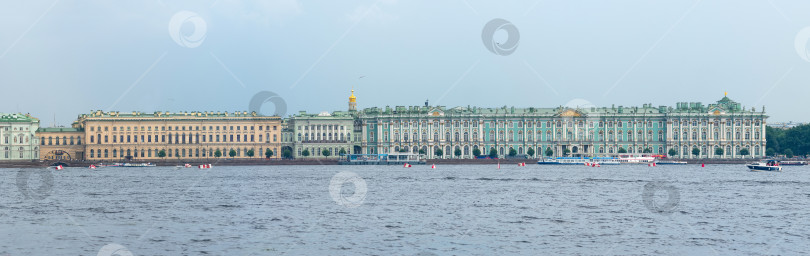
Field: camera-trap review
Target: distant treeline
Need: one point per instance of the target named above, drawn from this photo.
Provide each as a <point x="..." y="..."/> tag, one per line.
<point x="789" y="142"/>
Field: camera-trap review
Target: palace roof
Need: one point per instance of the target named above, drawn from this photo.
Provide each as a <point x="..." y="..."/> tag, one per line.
<point x="18" y="117"/>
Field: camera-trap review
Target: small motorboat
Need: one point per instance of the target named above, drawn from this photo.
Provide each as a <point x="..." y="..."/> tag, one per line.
<point x="770" y="165"/>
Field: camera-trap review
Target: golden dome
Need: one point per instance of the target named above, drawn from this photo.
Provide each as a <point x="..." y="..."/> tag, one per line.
<point x="352" y="98"/>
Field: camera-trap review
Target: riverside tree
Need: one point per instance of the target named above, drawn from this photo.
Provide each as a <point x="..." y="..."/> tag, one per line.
<point x="672" y="152"/>
<point x="744" y="152"/>
<point x="530" y="152"/>
<point x="268" y="153"/>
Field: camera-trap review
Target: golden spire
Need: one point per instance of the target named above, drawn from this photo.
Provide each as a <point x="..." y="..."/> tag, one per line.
<point x="726" y="94"/>
<point x="352" y="98"/>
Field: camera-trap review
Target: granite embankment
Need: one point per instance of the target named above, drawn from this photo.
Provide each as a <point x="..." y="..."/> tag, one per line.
<point x="331" y="161"/>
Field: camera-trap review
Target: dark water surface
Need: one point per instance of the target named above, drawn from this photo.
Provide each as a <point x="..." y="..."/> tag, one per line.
<point x="390" y="210"/>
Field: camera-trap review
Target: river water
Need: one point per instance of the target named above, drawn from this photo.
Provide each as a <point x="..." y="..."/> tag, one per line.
<point x="391" y="210"/>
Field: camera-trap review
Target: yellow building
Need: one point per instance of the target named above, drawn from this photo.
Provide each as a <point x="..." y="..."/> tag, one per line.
<point x="61" y="143"/>
<point x="114" y="136"/>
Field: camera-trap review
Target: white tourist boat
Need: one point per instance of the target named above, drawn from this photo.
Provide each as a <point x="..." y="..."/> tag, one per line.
<point x="579" y="161"/>
<point x="131" y="165"/>
<point x="636" y="158"/>
<point x="770" y="165"/>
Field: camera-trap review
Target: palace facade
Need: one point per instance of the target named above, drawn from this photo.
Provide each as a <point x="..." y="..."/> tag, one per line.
<point x="592" y="131"/>
<point x="314" y="134"/>
<point x="724" y="129"/>
<point x="114" y="136"/>
<point x="18" y="140"/>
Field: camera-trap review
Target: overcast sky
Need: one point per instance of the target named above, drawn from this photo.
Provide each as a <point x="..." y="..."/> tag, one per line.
<point x="63" y="58"/>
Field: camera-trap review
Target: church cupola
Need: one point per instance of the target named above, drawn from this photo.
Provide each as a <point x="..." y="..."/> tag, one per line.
<point x="352" y="102"/>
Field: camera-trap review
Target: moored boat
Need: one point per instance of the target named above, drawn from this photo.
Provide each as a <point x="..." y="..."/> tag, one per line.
<point x="770" y="165"/>
<point x="132" y="165"/>
<point x="636" y="158"/>
<point x="668" y="162"/>
<point x="793" y="162"/>
<point x="579" y="161"/>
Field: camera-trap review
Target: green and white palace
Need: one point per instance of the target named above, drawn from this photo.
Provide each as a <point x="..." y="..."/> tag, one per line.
<point x="18" y="139"/>
<point x="724" y="129"/>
